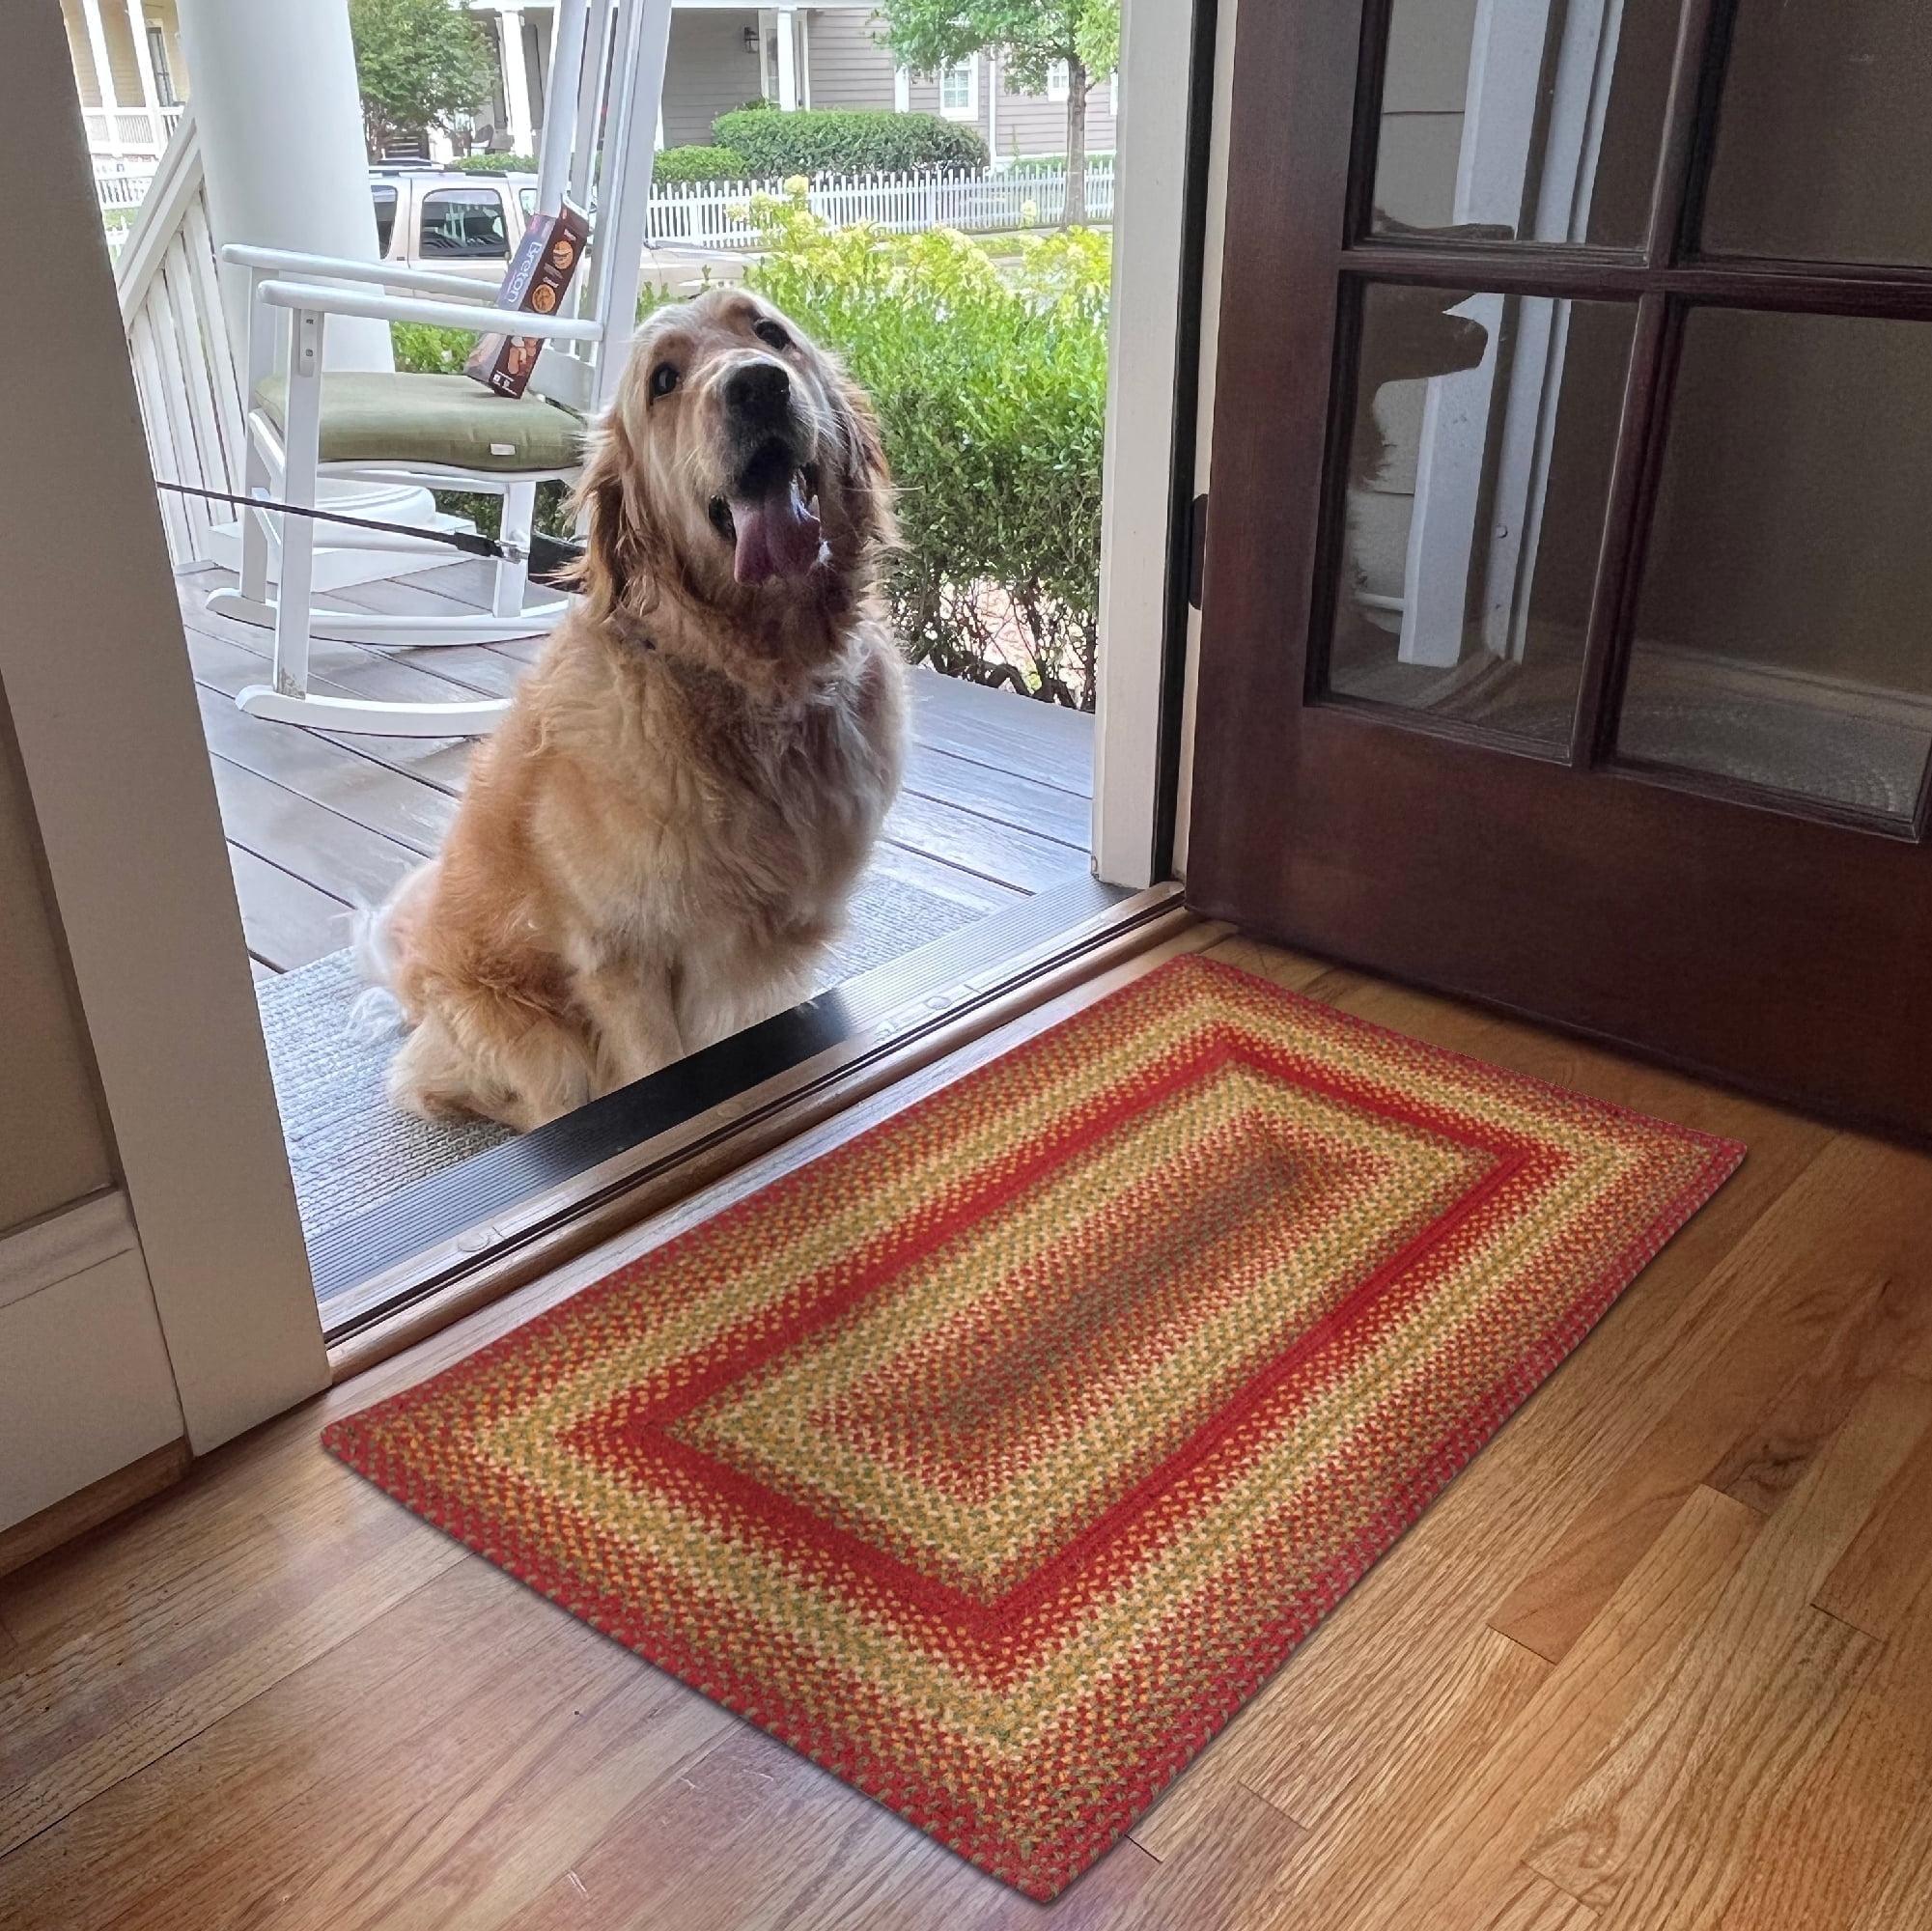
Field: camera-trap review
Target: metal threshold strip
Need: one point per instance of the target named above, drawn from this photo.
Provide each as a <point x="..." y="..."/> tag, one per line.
<point x="475" y="1231"/>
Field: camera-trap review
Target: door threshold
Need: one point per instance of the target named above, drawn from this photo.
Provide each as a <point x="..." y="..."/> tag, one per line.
<point x="584" y="1179"/>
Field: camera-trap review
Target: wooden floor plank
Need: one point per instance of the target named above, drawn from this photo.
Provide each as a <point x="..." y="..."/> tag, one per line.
<point x="1814" y="1311"/>
<point x="511" y="1744"/>
<point x="1006" y="853"/>
<point x="1005" y="796"/>
<point x="1896" y="1902"/>
<point x="285" y="922"/>
<point x="1831" y="1841"/>
<point x="1466" y="1858"/>
<point x="945" y="881"/>
<point x="373" y="795"/>
<point x="1662" y="1822"/>
<point x="1886" y="1573"/>
<point x="441" y="763"/>
<point x="300" y="836"/>
<point x="1045" y="742"/>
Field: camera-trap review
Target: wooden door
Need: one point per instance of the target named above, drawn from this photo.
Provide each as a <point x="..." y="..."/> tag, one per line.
<point x="1568" y="627"/>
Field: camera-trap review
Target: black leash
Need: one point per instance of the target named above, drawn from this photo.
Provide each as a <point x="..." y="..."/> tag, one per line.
<point x="545" y="554"/>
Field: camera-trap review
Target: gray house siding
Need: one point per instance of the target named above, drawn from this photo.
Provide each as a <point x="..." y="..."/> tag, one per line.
<point x="1022" y="123"/>
<point x="1029" y="124"/>
<point x="709" y="70"/>
<point x="849" y="68"/>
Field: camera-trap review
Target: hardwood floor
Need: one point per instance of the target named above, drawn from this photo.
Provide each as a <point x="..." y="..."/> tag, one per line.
<point x="1660" y="1656"/>
<point x="996" y="805"/>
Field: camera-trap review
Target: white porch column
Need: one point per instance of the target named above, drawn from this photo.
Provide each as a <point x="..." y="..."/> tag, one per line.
<point x="993" y="106"/>
<point x="788" y="61"/>
<point x="144" y="66"/>
<point x="515" y="79"/>
<point x="280" y="123"/>
<point x="281" y="136"/>
<point x="103" y="75"/>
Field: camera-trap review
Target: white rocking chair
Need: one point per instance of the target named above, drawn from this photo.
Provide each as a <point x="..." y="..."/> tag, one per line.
<point x="446" y="431"/>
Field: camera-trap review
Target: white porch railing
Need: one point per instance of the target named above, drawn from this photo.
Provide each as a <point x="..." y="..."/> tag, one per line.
<point x="184" y="375"/>
<point x="131" y="129"/>
<point x="711" y="215"/>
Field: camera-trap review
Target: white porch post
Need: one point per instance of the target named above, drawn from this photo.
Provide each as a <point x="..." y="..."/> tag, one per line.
<point x="788" y="61"/>
<point x="144" y="65"/>
<point x="104" y="73"/>
<point x="281" y="137"/>
<point x="515" y="79"/>
<point x="280" y="123"/>
<point x="993" y="106"/>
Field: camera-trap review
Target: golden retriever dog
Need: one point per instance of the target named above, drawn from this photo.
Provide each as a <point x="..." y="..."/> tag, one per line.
<point x="658" y="841"/>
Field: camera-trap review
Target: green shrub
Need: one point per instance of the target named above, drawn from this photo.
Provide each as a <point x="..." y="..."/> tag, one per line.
<point x="495" y="165"/>
<point x="824" y="141"/>
<point x="1050" y="165"/>
<point x="699" y="164"/>
<point x="991" y="388"/>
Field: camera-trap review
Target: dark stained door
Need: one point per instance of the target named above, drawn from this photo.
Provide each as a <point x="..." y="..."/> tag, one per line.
<point x="1568" y="602"/>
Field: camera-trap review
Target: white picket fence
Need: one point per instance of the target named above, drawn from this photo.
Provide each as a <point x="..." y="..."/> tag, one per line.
<point x="711" y="215"/>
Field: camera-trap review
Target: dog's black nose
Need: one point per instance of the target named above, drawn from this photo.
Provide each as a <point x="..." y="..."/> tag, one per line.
<point x="757" y="388"/>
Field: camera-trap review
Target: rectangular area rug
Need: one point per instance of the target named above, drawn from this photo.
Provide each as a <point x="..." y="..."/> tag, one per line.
<point x="995" y="1458"/>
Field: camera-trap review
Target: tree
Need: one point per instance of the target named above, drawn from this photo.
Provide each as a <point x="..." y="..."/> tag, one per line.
<point x="419" y="63"/>
<point x="1032" y="37"/>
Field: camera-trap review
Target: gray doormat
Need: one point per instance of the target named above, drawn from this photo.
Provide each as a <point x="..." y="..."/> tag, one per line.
<point x="349" y="1148"/>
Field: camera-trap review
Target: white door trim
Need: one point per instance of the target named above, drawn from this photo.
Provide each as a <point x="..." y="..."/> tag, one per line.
<point x="86" y="1386"/>
<point x="1156" y="52"/>
<point x="1204" y="422"/>
<point x="103" y="706"/>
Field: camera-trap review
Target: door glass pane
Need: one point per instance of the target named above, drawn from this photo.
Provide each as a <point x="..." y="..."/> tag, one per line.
<point x="1783" y="630"/>
<point x="1527" y="119"/>
<point x="1822" y="148"/>
<point x="1479" y="457"/>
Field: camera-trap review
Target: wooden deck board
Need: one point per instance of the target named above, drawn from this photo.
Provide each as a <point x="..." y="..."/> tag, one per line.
<point x="996" y="805"/>
<point x="272" y="1694"/>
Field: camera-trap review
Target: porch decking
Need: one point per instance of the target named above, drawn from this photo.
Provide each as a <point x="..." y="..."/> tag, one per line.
<point x="996" y="805"/>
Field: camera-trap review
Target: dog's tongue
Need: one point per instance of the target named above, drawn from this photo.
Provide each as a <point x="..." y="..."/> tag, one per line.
<point x="777" y="533"/>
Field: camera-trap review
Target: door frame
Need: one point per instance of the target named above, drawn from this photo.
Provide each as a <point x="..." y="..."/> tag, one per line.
<point x="1167" y="55"/>
<point x="1697" y="920"/>
<point x="104" y="714"/>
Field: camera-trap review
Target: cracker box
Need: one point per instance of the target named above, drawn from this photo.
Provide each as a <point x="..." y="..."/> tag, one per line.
<point x="546" y="260"/>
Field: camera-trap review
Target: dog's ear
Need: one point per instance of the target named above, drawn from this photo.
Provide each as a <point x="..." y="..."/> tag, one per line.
<point x="611" y="554"/>
<point x="864" y="473"/>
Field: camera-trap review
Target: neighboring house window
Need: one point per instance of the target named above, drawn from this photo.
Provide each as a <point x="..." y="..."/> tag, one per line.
<point x="385" y="198"/>
<point x="1059" y="80"/>
<point x="157" y="59"/>
<point x="958" y="90"/>
<point x="465" y="222"/>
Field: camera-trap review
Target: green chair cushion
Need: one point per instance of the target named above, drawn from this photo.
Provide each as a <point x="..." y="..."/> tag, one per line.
<point x="407" y="417"/>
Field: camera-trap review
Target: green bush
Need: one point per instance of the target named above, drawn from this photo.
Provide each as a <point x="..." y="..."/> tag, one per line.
<point x="991" y="387"/>
<point x="1050" y="165"/>
<point x="824" y="141"/>
<point x="699" y="164"/>
<point x="495" y="165"/>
